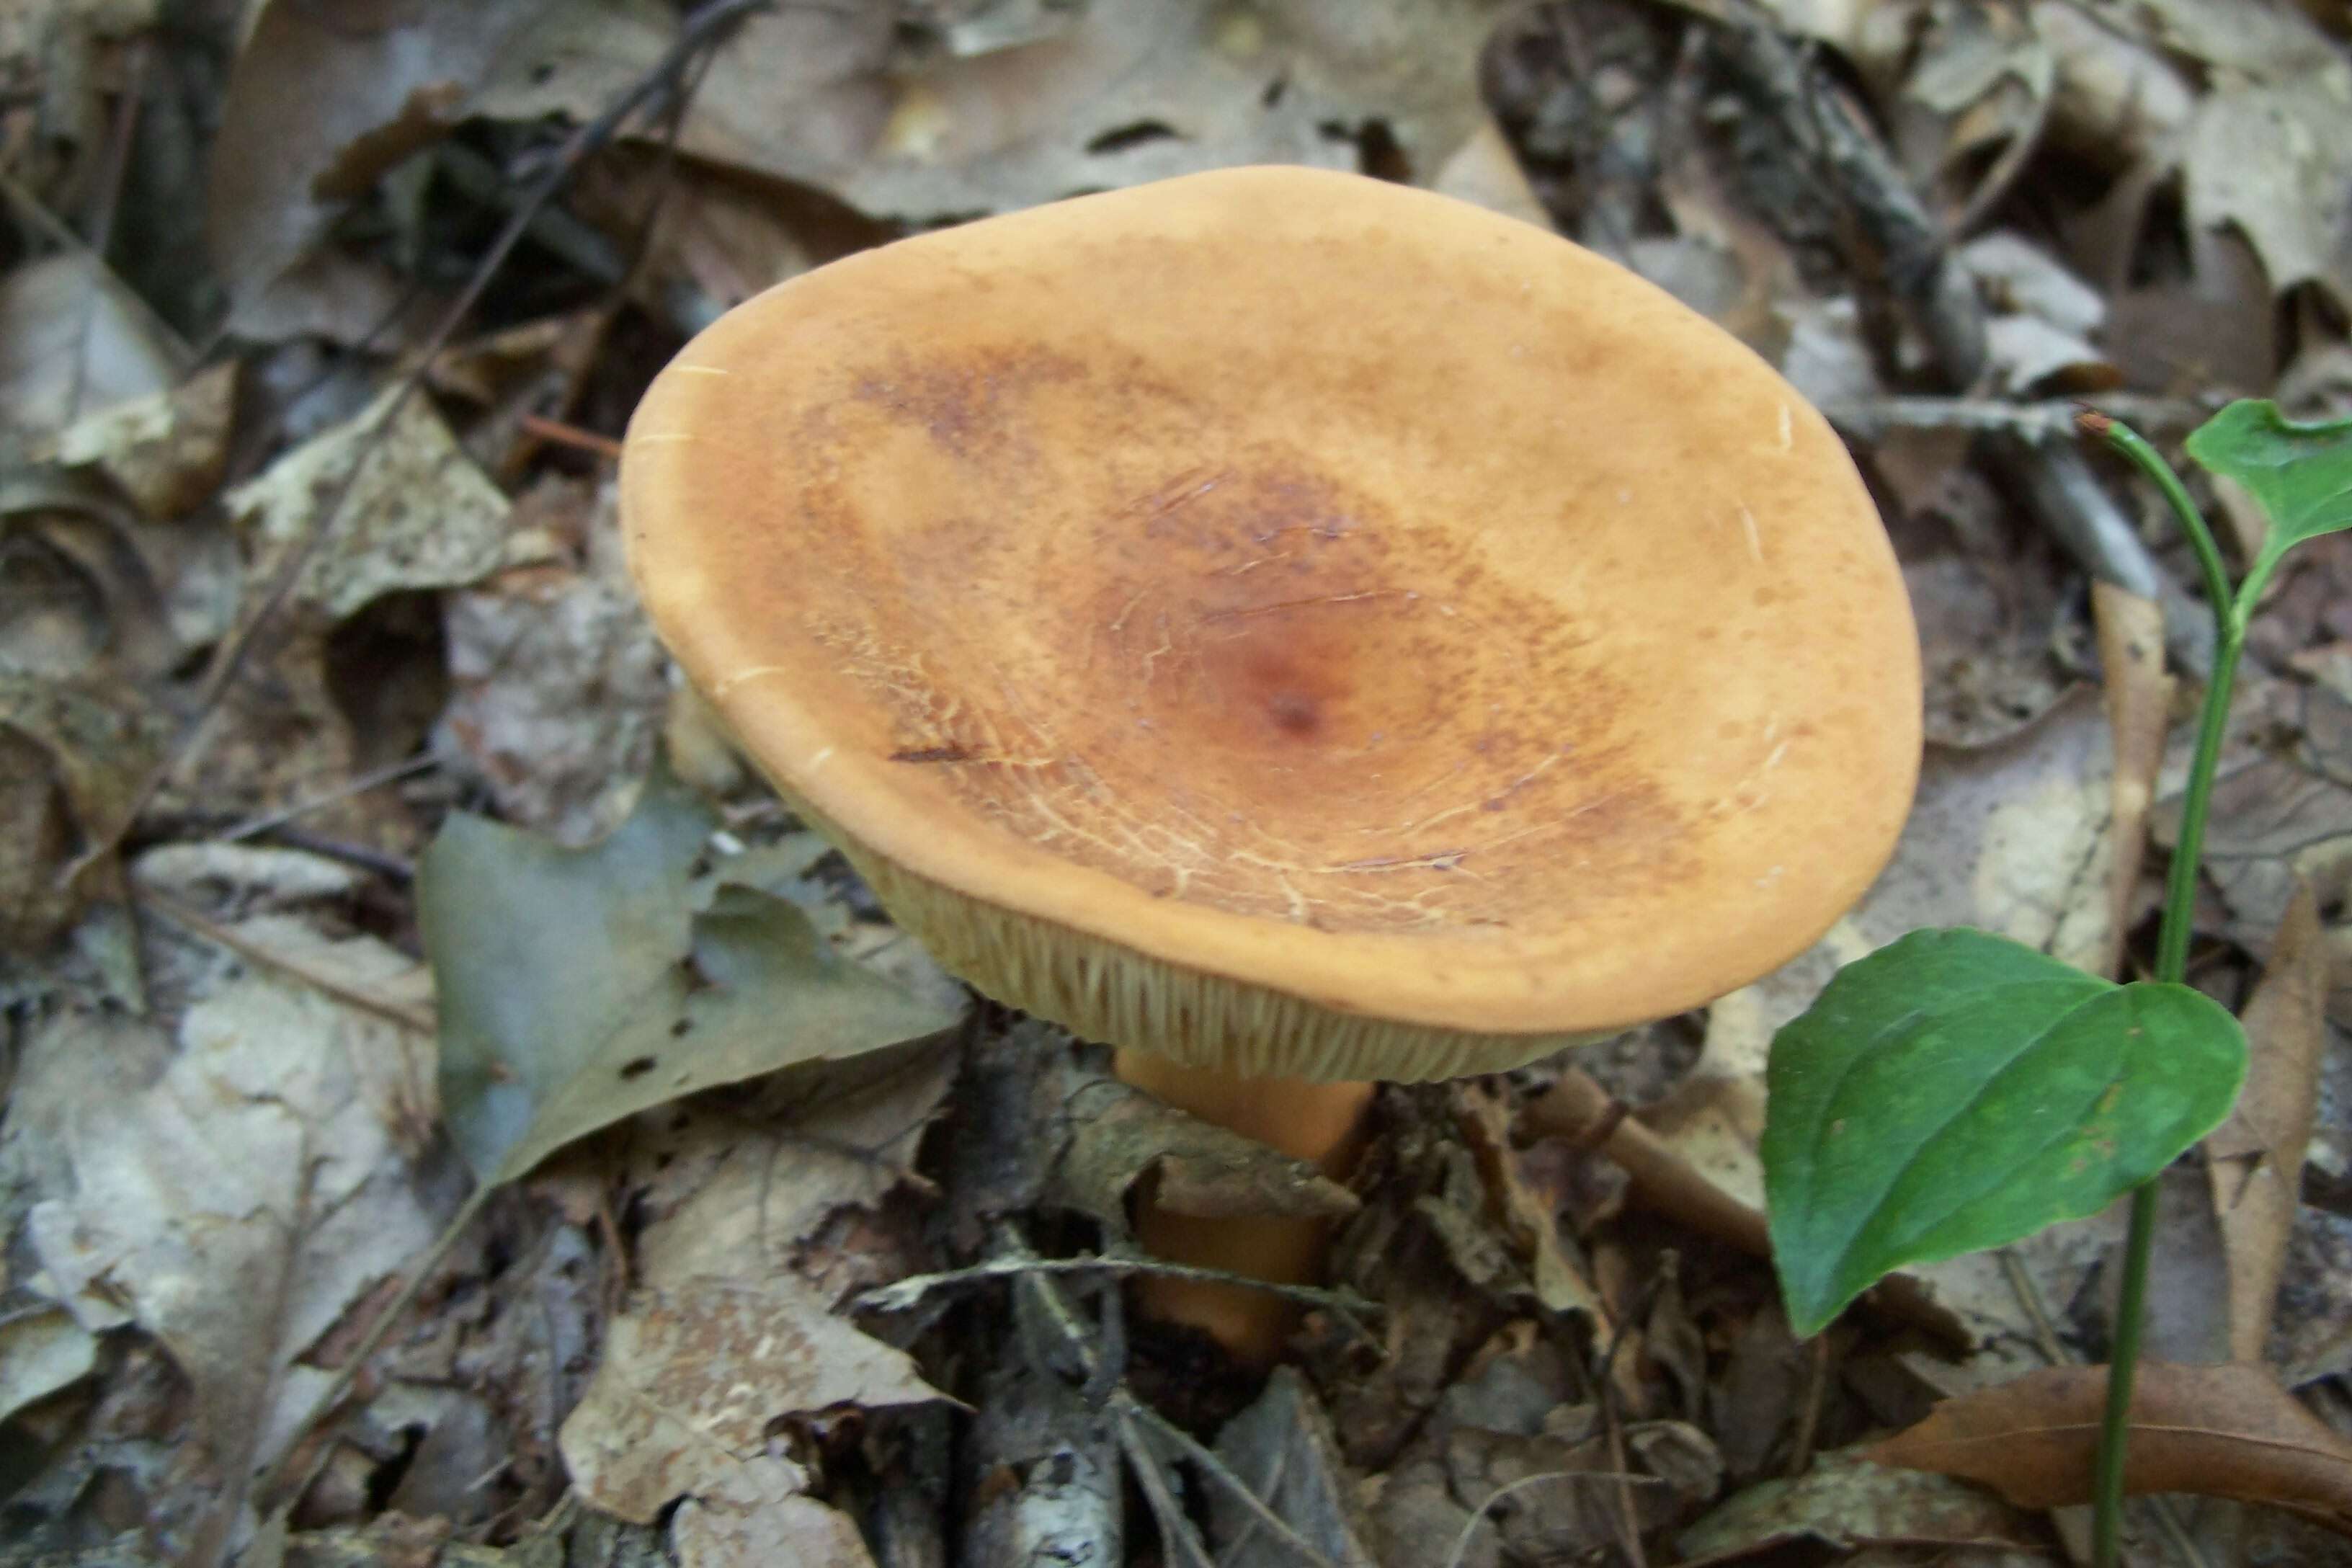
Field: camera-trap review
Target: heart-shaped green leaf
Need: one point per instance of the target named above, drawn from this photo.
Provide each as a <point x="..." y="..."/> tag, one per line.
<point x="1956" y="1091"/>
<point x="579" y="986"/>
<point x="2301" y="473"/>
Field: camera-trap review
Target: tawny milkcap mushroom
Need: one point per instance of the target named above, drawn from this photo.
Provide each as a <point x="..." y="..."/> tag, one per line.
<point x="1295" y="627"/>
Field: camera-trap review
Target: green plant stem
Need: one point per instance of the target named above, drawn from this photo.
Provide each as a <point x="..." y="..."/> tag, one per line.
<point x="2230" y="613"/>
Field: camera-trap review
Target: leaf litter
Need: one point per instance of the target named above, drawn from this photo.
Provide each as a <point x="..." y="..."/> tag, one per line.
<point x="1527" y="1354"/>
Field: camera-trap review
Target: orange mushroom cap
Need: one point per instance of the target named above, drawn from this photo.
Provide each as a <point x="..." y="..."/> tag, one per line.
<point x="1298" y="624"/>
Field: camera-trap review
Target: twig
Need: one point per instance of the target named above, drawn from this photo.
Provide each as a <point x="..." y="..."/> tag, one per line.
<point x="2044" y="419"/>
<point x="254" y="825"/>
<point x="903" y="1295"/>
<point x="408" y="1017"/>
<point x="562" y="435"/>
<point x="1218" y="1471"/>
<point x="704" y="28"/>
<point x="1177" y="1536"/>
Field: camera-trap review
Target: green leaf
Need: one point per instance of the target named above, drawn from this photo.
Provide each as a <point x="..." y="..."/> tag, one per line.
<point x="2301" y="473"/>
<point x="1956" y="1091"/>
<point x="577" y="987"/>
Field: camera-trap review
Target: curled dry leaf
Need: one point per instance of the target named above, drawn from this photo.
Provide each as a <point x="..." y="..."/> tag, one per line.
<point x="1121" y="1135"/>
<point x="418" y="514"/>
<point x="2228" y="1431"/>
<point x="2255" y="1160"/>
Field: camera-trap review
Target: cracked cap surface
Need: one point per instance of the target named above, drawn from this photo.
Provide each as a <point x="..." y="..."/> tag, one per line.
<point x="1277" y="600"/>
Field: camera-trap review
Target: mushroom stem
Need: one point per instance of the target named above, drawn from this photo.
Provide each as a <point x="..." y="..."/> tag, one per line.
<point x="1321" y="1123"/>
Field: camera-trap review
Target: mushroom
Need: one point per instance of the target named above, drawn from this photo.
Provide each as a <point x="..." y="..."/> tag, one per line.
<point x="1299" y="629"/>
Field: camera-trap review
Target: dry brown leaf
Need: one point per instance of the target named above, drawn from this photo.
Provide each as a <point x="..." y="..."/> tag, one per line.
<point x="692" y="1377"/>
<point x="2255" y="1160"/>
<point x="1529" y="1220"/>
<point x="326" y="96"/>
<point x="2218" y="1431"/>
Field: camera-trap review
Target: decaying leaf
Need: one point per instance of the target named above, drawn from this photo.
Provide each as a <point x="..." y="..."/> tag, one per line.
<point x="323" y="100"/>
<point x="1121" y="1135"/>
<point x="42" y="1350"/>
<point x="1124" y="91"/>
<point x="1846" y="1501"/>
<point x="166" y="450"/>
<point x="419" y="514"/>
<point x="1525" y="1216"/>
<point x="580" y="986"/>
<point x="2226" y="1431"/>
<point x="2255" y="1160"/>
<point x="74" y="340"/>
<point x="71" y="760"/>
<point x="557" y="684"/>
<point x="2272" y="159"/>
<point x="1284" y="1449"/>
<point x="692" y="1377"/>
<point x="246" y="1200"/>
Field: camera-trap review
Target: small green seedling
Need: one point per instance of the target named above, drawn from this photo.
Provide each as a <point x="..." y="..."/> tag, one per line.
<point x="1956" y="1091"/>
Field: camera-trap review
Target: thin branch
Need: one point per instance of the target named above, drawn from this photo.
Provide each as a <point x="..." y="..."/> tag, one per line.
<point x="418" y="1019"/>
<point x="1344" y="1305"/>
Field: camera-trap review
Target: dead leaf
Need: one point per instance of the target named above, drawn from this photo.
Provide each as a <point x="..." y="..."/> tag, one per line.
<point x="801" y="1530"/>
<point x="1284" y="1448"/>
<point x="419" y="514"/>
<point x="2217" y="1431"/>
<point x="2116" y="100"/>
<point x="763" y="1189"/>
<point x="2272" y="159"/>
<point x="1846" y="1501"/>
<point x="558" y="687"/>
<point x="1122" y="1135"/>
<point x="72" y="757"/>
<point x="578" y="987"/>
<point x="324" y="99"/>
<point x="1530" y="1222"/>
<point x="166" y="450"/>
<point x="42" y="1350"/>
<point x="246" y="1200"/>
<point x="1128" y="90"/>
<point x="692" y="1377"/>
<point x="2279" y="821"/>
<point x="2255" y="1160"/>
<point x="74" y="338"/>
